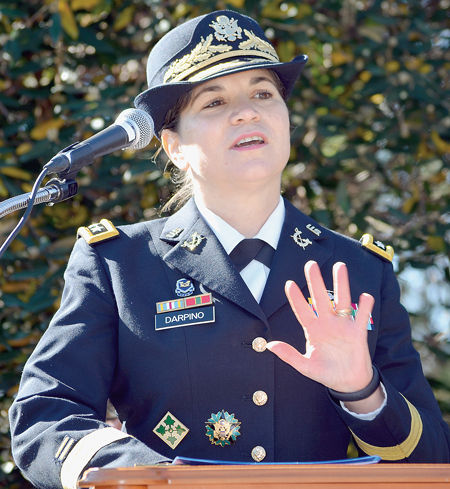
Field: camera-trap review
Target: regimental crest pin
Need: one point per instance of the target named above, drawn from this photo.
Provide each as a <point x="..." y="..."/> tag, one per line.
<point x="193" y="242"/>
<point x="226" y="29"/>
<point x="184" y="287"/>
<point x="171" y="430"/>
<point x="222" y="428"/>
<point x="302" y="242"/>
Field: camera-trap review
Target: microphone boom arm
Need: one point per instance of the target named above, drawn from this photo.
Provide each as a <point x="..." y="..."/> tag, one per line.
<point x="133" y="128"/>
<point x="54" y="191"/>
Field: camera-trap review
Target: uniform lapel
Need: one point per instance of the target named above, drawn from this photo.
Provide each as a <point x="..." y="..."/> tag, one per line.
<point x="207" y="262"/>
<point x="301" y="240"/>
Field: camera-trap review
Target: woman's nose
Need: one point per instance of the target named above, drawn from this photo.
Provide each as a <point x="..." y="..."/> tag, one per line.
<point x="244" y="111"/>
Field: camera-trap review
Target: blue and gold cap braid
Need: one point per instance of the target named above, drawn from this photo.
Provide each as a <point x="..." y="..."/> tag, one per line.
<point x="206" y="47"/>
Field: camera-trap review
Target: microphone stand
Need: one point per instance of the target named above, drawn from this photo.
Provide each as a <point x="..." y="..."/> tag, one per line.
<point x="63" y="187"/>
<point x="54" y="191"/>
<point x="132" y="126"/>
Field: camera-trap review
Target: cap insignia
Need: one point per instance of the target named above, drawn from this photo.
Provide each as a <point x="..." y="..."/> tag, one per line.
<point x="205" y="53"/>
<point x="99" y="231"/>
<point x="377" y="247"/>
<point x="222" y="428"/>
<point x="255" y="42"/>
<point x="171" y="430"/>
<point x="226" y="29"/>
<point x="190" y="62"/>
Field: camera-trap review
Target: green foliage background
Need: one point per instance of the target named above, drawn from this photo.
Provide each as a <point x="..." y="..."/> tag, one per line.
<point x="370" y="143"/>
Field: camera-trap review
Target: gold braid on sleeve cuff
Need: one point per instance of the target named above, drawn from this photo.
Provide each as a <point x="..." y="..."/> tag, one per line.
<point x="83" y="451"/>
<point x="404" y="449"/>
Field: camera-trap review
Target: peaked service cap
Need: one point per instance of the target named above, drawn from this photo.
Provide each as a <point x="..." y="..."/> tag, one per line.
<point x="206" y="47"/>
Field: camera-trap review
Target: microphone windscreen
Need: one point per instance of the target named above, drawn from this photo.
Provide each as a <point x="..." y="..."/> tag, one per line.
<point x="141" y="122"/>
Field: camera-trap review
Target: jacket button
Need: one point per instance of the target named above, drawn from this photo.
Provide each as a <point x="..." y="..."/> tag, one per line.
<point x="258" y="454"/>
<point x="259" y="344"/>
<point x="260" y="398"/>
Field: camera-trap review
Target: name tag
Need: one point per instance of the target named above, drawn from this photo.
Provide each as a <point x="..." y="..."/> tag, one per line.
<point x="184" y="317"/>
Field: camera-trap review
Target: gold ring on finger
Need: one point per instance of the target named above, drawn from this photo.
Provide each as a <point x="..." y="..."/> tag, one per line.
<point x="344" y="312"/>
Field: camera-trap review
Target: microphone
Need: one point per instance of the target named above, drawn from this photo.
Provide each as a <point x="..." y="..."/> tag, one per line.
<point x="133" y="129"/>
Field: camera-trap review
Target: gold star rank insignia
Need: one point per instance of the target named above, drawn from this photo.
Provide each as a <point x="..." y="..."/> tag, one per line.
<point x="99" y="231"/>
<point x="377" y="247"/>
<point x="170" y="430"/>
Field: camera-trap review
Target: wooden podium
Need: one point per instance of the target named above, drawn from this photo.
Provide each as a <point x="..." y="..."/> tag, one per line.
<point x="326" y="476"/>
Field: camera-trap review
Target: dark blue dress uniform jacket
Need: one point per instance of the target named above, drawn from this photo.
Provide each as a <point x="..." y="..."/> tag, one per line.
<point x="102" y="344"/>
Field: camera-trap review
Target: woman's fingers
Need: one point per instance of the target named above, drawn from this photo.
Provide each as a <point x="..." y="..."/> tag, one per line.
<point x="336" y="346"/>
<point x="288" y="354"/>
<point x="365" y="306"/>
<point x="341" y="286"/>
<point x="321" y="301"/>
<point x="302" y="310"/>
<point x="317" y="289"/>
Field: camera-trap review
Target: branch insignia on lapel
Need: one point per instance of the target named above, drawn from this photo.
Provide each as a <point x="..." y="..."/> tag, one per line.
<point x="302" y="242"/>
<point x="193" y="242"/>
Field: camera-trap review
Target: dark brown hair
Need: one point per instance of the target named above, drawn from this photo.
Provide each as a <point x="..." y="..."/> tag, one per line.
<point x="179" y="177"/>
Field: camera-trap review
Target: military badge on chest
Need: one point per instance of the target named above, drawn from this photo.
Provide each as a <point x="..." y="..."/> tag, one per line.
<point x="186" y="310"/>
<point x="222" y="428"/>
<point x="171" y="430"/>
<point x="184" y="287"/>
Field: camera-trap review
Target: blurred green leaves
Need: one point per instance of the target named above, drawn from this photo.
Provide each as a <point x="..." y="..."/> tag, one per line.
<point x="370" y="134"/>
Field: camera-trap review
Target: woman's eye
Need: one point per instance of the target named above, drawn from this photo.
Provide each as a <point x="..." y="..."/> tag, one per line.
<point x="264" y="94"/>
<point x="214" y="103"/>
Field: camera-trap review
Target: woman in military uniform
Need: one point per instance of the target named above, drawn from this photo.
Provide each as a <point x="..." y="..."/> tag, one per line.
<point x="238" y="328"/>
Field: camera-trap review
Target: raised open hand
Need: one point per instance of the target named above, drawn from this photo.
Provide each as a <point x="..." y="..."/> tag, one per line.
<point x="337" y="353"/>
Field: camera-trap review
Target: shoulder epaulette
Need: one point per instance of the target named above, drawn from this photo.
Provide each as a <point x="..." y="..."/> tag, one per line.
<point x="377" y="247"/>
<point x="99" y="231"/>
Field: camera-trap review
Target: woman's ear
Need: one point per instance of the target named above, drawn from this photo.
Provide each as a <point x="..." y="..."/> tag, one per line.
<point x="171" y="144"/>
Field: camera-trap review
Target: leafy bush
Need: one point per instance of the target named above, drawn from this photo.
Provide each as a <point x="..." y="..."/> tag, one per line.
<point x="369" y="154"/>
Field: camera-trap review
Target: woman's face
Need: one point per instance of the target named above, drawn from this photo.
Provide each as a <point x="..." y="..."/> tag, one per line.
<point x="234" y="131"/>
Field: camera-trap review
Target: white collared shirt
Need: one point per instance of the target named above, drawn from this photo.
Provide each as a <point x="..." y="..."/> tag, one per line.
<point x="255" y="273"/>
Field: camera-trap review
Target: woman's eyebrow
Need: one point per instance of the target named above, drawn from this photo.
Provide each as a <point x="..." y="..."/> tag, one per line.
<point x="258" y="79"/>
<point x="209" y="88"/>
<point x="217" y="88"/>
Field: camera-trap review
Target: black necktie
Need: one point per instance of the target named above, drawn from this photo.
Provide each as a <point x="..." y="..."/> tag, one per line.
<point x="251" y="249"/>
